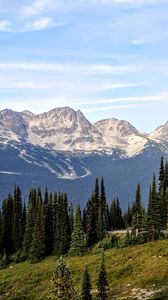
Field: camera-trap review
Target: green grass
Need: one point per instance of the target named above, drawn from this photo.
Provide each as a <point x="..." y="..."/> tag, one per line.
<point x="143" y="267"/>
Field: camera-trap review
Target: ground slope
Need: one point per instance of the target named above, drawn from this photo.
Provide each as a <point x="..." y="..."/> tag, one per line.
<point x="139" y="272"/>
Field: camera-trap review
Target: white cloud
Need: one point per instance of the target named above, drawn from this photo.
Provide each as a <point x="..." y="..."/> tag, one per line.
<point x="41" y="24"/>
<point x="148" y="98"/>
<point x="21" y="85"/>
<point x="113" y="107"/>
<point x="122" y="85"/>
<point x="38" y="7"/>
<point x="81" y="69"/>
<point x="138" y="42"/>
<point x="5" y="26"/>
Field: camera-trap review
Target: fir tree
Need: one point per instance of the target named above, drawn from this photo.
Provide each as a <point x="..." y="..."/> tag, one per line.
<point x="17" y="219"/>
<point x="91" y="225"/>
<point x="48" y="223"/>
<point x="62" y="232"/>
<point x="71" y="219"/>
<point x="84" y="220"/>
<point x="23" y="225"/>
<point x="153" y="213"/>
<point x="102" y="214"/>
<point x="86" y="285"/>
<point x="77" y="243"/>
<point x="37" y="250"/>
<point x="161" y="175"/>
<point x="102" y="282"/>
<point x="30" y="220"/>
<point x="62" y="283"/>
<point x="7" y="225"/>
<point x="138" y="213"/>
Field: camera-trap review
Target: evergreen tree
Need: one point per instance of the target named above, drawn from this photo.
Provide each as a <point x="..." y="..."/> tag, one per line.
<point x="102" y="282"/>
<point x="30" y="220"/>
<point x="7" y="225"/>
<point x="55" y="216"/>
<point x="138" y="213"/>
<point x="165" y="186"/>
<point x="84" y="220"/>
<point x="48" y="223"/>
<point x="153" y="212"/>
<point x="62" y="232"/>
<point x="37" y="250"/>
<point x="86" y="285"/>
<point x="91" y="225"/>
<point x="77" y="243"/>
<point x="23" y="225"/>
<point x="71" y="219"/>
<point x="161" y="175"/>
<point x="17" y="219"/>
<point x="113" y="215"/>
<point x="128" y="217"/>
<point x="62" y="283"/>
<point x="102" y="214"/>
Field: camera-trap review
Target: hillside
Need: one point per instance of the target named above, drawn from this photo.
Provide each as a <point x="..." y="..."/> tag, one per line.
<point x="139" y="272"/>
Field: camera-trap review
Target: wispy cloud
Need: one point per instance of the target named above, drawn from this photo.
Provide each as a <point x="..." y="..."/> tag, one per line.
<point x="8" y="84"/>
<point x="113" y="107"/>
<point x="41" y="24"/>
<point x="38" y="7"/>
<point x="123" y="85"/>
<point x="83" y="69"/>
<point x="148" y="98"/>
<point x="5" y="26"/>
<point x="138" y="42"/>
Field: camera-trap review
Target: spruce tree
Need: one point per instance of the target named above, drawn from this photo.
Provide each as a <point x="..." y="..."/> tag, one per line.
<point x="62" y="283"/>
<point x="30" y="221"/>
<point x="138" y="213"/>
<point x="23" y="225"/>
<point x="102" y="282"/>
<point x="84" y="220"/>
<point x="77" y="243"/>
<point x="102" y="213"/>
<point x="7" y="225"/>
<point x="37" y="250"/>
<point x="91" y="225"/>
<point x="71" y="219"/>
<point x="86" y="285"/>
<point x="48" y="223"/>
<point x="62" y="232"/>
<point x="161" y="175"/>
<point x="17" y="219"/>
<point x="153" y="212"/>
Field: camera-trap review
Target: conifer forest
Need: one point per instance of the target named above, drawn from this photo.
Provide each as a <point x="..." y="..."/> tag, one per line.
<point x="49" y="225"/>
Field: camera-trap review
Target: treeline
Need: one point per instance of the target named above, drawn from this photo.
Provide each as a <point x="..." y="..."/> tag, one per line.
<point x="48" y="225"/>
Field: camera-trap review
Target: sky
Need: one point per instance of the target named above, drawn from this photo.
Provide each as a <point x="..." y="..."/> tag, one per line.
<point x="108" y="58"/>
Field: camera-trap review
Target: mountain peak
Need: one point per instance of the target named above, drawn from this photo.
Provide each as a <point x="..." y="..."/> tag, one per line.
<point x="28" y="113"/>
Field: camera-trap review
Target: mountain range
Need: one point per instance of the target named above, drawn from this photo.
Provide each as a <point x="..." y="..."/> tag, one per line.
<point x="63" y="150"/>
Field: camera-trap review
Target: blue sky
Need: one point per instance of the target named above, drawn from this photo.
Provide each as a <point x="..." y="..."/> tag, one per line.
<point x="108" y="58"/>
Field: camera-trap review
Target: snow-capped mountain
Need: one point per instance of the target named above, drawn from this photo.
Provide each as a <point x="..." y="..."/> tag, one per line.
<point x="121" y="135"/>
<point x="63" y="150"/>
<point x="64" y="129"/>
<point x="161" y="133"/>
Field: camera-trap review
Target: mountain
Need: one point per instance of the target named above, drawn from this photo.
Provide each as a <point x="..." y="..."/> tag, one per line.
<point x="63" y="150"/>
<point x="64" y="129"/>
